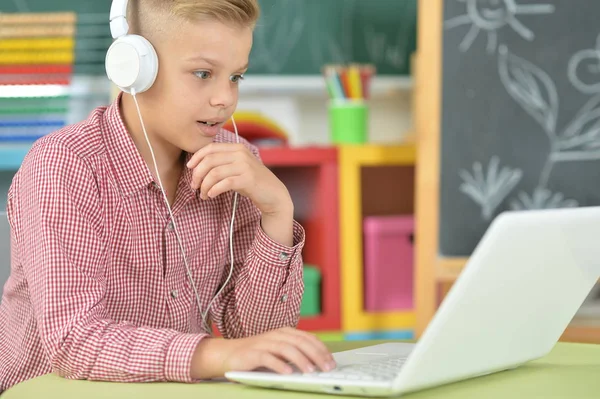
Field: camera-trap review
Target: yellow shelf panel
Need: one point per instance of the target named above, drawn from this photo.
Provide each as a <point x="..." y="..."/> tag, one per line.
<point x="351" y="159"/>
<point x="373" y="154"/>
<point x="379" y="321"/>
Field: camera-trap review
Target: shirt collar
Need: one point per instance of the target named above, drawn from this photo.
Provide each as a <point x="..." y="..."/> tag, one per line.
<point x="129" y="168"/>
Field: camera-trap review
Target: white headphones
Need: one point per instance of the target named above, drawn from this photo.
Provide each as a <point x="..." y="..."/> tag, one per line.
<point x="131" y="61"/>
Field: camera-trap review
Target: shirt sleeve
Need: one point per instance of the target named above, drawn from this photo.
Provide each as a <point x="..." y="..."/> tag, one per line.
<point x="59" y="233"/>
<point x="266" y="287"/>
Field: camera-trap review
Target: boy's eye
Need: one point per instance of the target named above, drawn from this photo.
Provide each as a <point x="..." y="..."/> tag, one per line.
<point x="236" y="78"/>
<point x="202" y="74"/>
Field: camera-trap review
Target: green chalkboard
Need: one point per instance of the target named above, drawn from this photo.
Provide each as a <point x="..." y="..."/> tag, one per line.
<point x="298" y="37"/>
<point x="293" y="37"/>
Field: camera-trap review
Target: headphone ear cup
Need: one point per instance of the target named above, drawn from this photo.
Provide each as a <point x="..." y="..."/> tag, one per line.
<point x="132" y="63"/>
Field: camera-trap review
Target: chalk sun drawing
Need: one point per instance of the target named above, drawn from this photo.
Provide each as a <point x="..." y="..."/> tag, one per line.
<point x="491" y="16"/>
<point x="586" y="80"/>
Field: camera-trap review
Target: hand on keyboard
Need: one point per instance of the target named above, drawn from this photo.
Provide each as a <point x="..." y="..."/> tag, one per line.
<point x="274" y="350"/>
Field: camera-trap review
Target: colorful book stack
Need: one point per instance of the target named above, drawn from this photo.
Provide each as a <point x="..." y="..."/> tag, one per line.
<point x="37" y="53"/>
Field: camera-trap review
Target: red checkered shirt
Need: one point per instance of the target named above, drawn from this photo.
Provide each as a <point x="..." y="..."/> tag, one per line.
<point x="98" y="289"/>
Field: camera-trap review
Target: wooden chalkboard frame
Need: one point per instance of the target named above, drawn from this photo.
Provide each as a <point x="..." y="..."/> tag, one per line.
<point x="431" y="269"/>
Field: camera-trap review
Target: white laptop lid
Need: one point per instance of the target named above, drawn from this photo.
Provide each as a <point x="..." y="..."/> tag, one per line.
<point x="4" y="249"/>
<point x="521" y="287"/>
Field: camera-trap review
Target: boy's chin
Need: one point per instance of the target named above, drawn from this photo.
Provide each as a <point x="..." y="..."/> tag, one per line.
<point x="198" y="144"/>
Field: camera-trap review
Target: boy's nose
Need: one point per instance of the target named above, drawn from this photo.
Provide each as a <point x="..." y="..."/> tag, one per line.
<point x="223" y="96"/>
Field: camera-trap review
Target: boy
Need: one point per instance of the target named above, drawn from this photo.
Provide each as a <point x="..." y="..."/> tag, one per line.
<point x="98" y="289"/>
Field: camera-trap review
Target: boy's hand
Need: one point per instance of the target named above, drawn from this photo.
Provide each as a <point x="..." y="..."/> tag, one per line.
<point x="221" y="167"/>
<point x="272" y="350"/>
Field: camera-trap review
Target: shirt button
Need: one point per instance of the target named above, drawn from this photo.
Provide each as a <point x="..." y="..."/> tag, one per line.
<point x="284" y="298"/>
<point x="284" y="256"/>
<point x="174" y="293"/>
<point x="170" y="226"/>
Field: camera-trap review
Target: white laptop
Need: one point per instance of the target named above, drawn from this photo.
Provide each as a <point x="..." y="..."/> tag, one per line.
<point x="526" y="279"/>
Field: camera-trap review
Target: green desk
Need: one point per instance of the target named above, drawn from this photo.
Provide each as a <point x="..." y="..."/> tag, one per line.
<point x="570" y="371"/>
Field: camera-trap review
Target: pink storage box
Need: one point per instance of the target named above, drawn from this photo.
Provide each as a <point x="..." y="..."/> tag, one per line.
<point x="388" y="263"/>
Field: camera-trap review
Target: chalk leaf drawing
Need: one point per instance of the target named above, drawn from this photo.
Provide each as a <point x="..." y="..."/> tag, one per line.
<point x="489" y="189"/>
<point x="531" y="87"/>
<point x="583" y="69"/>
<point x="275" y="41"/>
<point x="491" y="16"/>
<point x="541" y="199"/>
<point x="582" y="135"/>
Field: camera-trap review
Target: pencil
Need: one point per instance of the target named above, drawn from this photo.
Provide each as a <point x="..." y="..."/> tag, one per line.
<point x="354" y="80"/>
<point x="328" y="81"/>
<point x="345" y="81"/>
<point x="366" y="75"/>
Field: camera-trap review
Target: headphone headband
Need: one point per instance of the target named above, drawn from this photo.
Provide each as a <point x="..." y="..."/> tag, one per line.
<point x="118" y="18"/>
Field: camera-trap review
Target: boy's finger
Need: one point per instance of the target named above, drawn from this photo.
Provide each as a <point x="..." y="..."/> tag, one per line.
<point x="212" y="149"/>
<point x="274" y="363"/>
<point x="209" y="162"/>
<point x="318" y="355"/>
<point x="314" y="339"/>
<point x="216" y="175"/>
<point x="228" y="184"/>
<point x="292" y="354"/>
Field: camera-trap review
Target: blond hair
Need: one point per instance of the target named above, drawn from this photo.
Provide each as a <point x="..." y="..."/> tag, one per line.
<point x="148" y="17"/>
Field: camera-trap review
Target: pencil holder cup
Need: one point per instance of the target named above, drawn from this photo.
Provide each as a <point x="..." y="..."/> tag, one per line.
<point x="348" y="122"/>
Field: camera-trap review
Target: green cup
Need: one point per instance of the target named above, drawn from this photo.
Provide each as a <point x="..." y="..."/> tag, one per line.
<point x="348" y="121"/>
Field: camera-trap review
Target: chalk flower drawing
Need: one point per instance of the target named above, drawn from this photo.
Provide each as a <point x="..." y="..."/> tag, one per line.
<point x="489" y="189"/>
<point x="534" y="90"/>
<point x="541" y="199"/>
<point x="586" y="80"/>
<point x="492" y="15"/>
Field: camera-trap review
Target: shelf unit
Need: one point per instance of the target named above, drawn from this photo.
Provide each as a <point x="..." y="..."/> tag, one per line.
<point x="311" y="176"/>
<point x="314" y="85"/>
<point x="353" y="160"/>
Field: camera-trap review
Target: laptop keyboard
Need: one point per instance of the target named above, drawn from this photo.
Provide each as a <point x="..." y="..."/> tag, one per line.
<point x="377" y="370"/>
